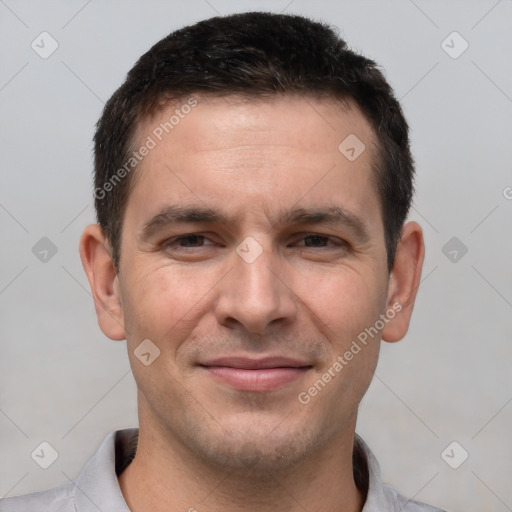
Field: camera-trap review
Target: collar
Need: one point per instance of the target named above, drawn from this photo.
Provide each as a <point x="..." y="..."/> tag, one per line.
<point x="97" y="487"/>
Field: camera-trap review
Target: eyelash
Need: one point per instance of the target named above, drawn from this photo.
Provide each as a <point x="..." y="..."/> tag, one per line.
<point x="172" y="243"/>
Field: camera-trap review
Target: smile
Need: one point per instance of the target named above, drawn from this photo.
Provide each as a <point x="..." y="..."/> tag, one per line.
<point x="246" y="374"/>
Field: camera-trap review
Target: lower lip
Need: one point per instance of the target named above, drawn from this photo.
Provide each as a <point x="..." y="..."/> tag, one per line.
<point x="264" y="379"/>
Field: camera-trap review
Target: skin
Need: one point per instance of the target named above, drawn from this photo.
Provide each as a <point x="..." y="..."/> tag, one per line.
<point x="203" y="443"/>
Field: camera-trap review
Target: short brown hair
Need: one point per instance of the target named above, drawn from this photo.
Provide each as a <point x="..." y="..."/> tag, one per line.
<point x="251" y="54"/>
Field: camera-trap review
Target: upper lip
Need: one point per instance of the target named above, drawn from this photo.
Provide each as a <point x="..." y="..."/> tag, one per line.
<point x="248" y="363"/>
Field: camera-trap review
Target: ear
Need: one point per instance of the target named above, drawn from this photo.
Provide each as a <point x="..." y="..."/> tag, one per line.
<point x="98" y="265"/>
<point x="404" y="281"/>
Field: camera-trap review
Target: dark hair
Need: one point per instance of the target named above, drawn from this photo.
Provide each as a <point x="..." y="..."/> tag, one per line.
<point x="252" y="54"/>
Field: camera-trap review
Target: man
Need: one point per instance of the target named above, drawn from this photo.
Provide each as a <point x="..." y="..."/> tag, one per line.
<point x="252" y="180"/>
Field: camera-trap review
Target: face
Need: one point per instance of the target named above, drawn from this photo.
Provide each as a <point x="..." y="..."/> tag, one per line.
<point x="252" y="257"/>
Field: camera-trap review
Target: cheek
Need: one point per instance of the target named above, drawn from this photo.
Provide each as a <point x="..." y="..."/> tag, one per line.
<point x="151" y="304"/>
<point x="163" y="303"/>
<point x="345" y="301"/>
<point x="158" y="306"/>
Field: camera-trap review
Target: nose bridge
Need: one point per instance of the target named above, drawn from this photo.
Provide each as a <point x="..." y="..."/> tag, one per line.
<point x="254" y="295"/>
<point x="256" y="275"/>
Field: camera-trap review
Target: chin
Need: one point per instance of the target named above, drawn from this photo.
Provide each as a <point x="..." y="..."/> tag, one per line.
<point x="257" y="457"/>
<point x="257" y="448"/>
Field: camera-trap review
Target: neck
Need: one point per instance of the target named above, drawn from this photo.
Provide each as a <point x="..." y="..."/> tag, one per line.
<point x="179" y="481"/>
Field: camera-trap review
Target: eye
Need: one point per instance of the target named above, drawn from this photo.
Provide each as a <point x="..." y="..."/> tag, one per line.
<point x="315" y="240"/>
<point x="187" y="242"/>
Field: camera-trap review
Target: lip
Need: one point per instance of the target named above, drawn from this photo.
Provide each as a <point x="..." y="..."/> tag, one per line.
<point x="249" y="374"/>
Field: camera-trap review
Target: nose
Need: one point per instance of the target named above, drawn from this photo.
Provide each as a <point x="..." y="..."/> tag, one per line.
<point x="255" y="294"/>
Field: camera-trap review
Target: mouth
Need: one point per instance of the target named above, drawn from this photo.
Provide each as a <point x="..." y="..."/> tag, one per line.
<point x="249" y="374"/>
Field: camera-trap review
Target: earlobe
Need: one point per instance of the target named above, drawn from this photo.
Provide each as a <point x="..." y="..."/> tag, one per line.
<point x="103" y="280"/>
<point x="404" y="281"/>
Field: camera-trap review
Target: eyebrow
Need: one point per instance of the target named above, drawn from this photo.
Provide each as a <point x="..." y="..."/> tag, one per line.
<point x="182" y="214"/>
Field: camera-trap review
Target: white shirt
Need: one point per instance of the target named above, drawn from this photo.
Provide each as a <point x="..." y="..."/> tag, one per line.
<point x="97" y="487"/>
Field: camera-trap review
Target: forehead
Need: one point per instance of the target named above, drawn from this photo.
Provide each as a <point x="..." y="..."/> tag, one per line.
<point x="267" y="153"/>
<point x="208" y="118"/>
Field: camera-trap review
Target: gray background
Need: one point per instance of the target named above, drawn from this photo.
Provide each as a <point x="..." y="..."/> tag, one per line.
<point x="63" y="382"/>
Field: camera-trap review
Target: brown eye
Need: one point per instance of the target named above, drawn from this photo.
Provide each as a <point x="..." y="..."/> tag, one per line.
<point x="316" y="241"/>
<point x="187" y="242"/>
<point x="191" y="241"/>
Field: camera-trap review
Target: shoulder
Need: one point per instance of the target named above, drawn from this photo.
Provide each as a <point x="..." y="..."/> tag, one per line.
<point x="380" y="496"/>
<point x="58" y="499"/>
<point x="399" y="502"/>
<point x="96" y="487"/>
